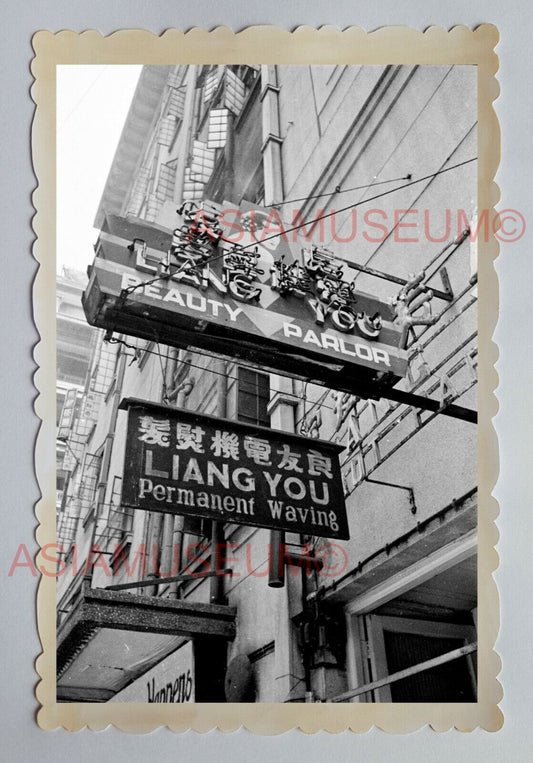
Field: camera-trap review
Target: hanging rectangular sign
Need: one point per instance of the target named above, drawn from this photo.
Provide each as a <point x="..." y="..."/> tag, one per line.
<point x="221" y="284"/>
<point x="182" y="462"/>
<point x="67" y="415"/>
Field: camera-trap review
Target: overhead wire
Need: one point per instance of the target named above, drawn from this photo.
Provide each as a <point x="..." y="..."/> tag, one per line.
<point x="365" y="201"/>
<point x="164" y="389"/>
<point x="82" y="97"/>
<point x="337" y="190"/>
<point x="218" y="373"/>
<point x="284" y="231"/>
<point x="209" y="260"/>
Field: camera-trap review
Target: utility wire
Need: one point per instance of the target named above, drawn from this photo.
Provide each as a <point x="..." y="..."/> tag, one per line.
<point x="320" y="403"/>
<point x="82" y="97"/>
<point x="365" y="201"/>
<point x="216" y="257"/>
<point x="160" y="356"/>
<point x="241" y="382"/>
<point x="209" y="260"/>
<point x="338" y="190"/>
<point x="217" y="373"/>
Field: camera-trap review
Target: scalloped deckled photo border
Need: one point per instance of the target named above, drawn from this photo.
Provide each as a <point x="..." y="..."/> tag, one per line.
<point x="261" y="45"/>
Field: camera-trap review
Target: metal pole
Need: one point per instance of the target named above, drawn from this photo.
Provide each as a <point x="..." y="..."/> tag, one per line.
<point x="441" y="660"/>
<point x="216" y="589"/>
<point x="428" y="404"/>
<point x="185" y="133"/>
<point x="276" y="568"/>
<point x="172" y="579"/>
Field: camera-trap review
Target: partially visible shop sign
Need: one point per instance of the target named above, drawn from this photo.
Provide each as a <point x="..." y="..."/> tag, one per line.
<point x="181" y="462"/>
<point x="67" y="415"/>
<point x="219" y="282"/>
<point x="171" y="680"/>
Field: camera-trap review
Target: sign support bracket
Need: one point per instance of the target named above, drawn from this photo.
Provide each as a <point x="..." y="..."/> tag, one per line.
<point x="446" y="294"/>
<point x="171" y="579"/>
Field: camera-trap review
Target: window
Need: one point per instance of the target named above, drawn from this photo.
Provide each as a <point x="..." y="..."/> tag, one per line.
<point x="60" y="399"/>
<point x="120" y="558"/>
<point x="253" y="397"/>
<point x="199" y="526"/>
<point x="167" y="129"/>
<point x="235" y="92"/>
<point x="176" y="102"/>
<point x="422" y="613"/>
<point x="167" y="180"/>
<point x="60" y="480"/>
<point x="211" y="82"/>
<point x="71" y="366"/>
<point x="218" y="128"/>
<point x="203" y="162"/>
<point x="120" y="517"/>
<point x="397" y="643"/>
<point x="89" y="476"/>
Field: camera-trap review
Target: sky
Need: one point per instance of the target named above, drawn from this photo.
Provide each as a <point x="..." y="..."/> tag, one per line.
<point x="92" y="104"/>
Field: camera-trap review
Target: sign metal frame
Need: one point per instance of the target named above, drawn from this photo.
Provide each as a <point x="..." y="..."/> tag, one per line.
<point x="231" y="471"/>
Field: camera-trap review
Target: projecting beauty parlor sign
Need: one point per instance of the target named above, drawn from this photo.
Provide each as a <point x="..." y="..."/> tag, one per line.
<point x="289" y="309"/>
<point x="181" y="462"/>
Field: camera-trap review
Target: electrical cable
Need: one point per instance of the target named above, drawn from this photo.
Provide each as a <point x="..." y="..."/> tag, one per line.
<point x="164" y="389"/>
<point x="415" y="201"/>
<point x="338" y="190"/>
<point x="82" y="97"/>
<point x="319" y="403"/>
<point x="216" y="257"/>
<point x="365" y="201"/>
<point x="209" y="260"/>
<point x="218" y="373"/>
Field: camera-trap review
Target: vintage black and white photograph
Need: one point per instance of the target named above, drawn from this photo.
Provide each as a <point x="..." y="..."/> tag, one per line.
<point x="267" y="262"/>
<point x="267" y="383"/>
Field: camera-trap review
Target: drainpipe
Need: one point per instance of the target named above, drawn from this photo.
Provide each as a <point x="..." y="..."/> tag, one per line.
<point x="173" y="525"/>
<point x="282" y="409"/>
<point x="184" y="141"/>
<point x="271" y="150"/>
<point x="160" y="526"/>
<point x="229" y="159"/>
<point x="272" y="140"/>
<point x="180" y="394"/>
<point x="173" y="530"/>
<point x="108" y="449"/>
<point x="282" y="403"/>
<point x="167" y="557"/>
<point x="216" y="583"/>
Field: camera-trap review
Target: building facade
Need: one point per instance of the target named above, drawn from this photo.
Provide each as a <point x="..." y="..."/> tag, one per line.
<point x="377" y="161"/>
<point x="75" y="343"/>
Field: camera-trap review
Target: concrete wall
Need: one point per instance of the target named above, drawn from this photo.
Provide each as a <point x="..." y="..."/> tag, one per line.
<point x="376" y="124"/>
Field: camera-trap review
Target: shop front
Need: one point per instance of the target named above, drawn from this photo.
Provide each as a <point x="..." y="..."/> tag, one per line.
<point x="132" y="648"/>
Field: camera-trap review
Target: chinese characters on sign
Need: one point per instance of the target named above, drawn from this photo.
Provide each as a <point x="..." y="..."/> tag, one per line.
<point x="289" y="305"/>
<point x="180" y="462"/>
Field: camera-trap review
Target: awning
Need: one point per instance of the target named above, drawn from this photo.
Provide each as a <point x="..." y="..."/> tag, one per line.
<point x="110" y="638"/>
<point x="456" y="521"/>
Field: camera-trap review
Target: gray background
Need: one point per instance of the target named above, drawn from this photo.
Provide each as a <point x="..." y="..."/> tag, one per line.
<point x="21" y="738"/>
